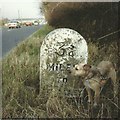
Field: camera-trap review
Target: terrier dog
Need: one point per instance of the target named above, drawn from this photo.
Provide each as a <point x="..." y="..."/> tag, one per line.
<point x="94" y="78"/>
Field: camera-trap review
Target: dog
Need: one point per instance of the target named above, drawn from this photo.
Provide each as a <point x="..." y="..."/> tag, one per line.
<point x="94" y="78"/>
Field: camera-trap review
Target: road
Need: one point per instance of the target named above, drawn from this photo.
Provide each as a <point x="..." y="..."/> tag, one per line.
<point x="11" y="37"/>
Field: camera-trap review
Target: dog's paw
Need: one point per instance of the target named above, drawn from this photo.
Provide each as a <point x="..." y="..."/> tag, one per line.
<point x="89" y="101"/>
<point x="82" y="101"/>
<point x="95" y="105"/>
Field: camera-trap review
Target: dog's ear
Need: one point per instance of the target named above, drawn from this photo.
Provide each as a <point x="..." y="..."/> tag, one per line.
<point x="86" y="67"/>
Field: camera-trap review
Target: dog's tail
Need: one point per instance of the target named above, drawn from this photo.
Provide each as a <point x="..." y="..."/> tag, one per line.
<point x="115" y="67"/>
<point x="113" y="76"/>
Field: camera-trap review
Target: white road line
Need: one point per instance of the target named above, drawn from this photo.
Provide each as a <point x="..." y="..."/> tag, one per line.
<point x="8" y="30"/>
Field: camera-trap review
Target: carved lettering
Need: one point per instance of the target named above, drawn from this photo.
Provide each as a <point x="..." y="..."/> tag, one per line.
<point x="66" y="51"/>
<point x="55" y="67"/>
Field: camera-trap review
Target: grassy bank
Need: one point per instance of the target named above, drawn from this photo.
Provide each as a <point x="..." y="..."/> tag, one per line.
<point x="21" y="75"/>
<point x="21" y="83"/>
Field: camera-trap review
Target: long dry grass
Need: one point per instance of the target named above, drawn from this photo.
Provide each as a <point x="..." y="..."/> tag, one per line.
<point x="21" y="98"/>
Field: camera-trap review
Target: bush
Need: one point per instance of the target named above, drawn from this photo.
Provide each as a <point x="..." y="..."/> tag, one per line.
<point x="92" y="20"/>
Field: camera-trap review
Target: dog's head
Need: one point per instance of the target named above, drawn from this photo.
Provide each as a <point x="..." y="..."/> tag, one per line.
<point x="80" y="70"/>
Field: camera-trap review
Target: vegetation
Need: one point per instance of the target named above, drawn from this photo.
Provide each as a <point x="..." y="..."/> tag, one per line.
<point x="3" y="21"/>
<point x="21" y="98"/>
<point x="21" y="76"/>
<point x="90" y="19"/>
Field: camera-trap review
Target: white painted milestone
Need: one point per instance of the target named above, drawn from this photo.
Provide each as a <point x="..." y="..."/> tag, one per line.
<point x="61" y="49"/>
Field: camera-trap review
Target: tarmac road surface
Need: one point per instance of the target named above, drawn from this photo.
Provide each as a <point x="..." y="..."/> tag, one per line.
<point x="11" y="37"/>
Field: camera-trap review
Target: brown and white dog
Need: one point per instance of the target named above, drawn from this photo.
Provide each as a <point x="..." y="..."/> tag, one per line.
<point x="94" y="78"/>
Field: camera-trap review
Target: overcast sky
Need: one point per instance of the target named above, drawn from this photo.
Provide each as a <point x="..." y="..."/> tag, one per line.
<point x="20" y="8"/>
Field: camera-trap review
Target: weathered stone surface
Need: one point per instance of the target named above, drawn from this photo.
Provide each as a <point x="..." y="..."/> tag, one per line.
<point x="61" y="49"/>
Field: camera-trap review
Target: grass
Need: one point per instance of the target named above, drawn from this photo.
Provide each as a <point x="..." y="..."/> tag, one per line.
<point x="20" y="71"/>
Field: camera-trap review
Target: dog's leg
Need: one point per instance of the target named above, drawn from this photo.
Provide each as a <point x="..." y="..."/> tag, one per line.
<point x="82" y="95"/>
<point x="97" y="96"/>
<point x="89" y="94"/>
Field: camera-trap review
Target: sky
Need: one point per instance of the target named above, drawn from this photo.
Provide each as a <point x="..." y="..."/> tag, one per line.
<point x="13" y="9"/>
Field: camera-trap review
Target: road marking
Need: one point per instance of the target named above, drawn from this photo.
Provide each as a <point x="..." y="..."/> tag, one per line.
<point x="11" y="29"/>
<point x="8" y="30"/>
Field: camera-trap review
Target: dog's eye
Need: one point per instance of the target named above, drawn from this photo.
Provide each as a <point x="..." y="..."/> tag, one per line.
<point x="76" y="68"/>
